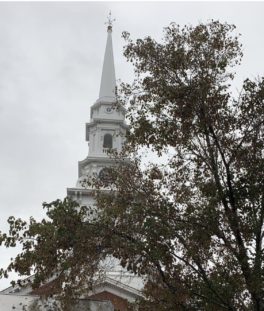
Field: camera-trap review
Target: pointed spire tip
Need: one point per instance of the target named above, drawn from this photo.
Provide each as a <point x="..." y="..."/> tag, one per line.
<point x="109" y="22"/>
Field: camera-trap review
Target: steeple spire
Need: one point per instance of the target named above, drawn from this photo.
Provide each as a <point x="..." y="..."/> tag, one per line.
<point x="108" y="80"/>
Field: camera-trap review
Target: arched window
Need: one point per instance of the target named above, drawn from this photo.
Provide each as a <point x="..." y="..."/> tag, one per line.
<point x="108" y="141"/>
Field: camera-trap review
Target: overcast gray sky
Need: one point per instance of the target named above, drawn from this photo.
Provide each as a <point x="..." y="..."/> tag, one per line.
<point x="51" y="56"/>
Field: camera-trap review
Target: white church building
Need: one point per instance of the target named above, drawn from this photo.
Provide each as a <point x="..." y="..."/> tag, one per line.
<point x="106" y="129"/>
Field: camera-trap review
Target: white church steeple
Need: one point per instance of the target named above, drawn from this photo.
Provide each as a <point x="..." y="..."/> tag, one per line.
<point x="106" y="129"/>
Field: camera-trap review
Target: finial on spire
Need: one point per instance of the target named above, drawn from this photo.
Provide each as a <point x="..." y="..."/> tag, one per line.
<point x="110" y="21"/>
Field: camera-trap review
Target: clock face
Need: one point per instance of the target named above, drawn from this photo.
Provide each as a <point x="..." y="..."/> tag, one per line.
<point x="109" y="109"/>
<point x="106" y="176"/>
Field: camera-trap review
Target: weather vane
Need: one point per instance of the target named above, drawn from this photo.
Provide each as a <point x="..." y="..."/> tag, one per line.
<point x="110" y="21"/>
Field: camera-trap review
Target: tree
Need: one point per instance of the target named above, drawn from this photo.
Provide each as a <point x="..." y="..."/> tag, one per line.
<point x="194" y="225"/>
<point x="60" y="249"/>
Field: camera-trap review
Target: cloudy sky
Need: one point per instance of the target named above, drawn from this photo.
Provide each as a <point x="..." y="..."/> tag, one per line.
<point x="51" y="56"/>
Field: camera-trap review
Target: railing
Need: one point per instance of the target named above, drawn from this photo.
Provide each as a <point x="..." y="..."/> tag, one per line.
<point x="105" y="150"/>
